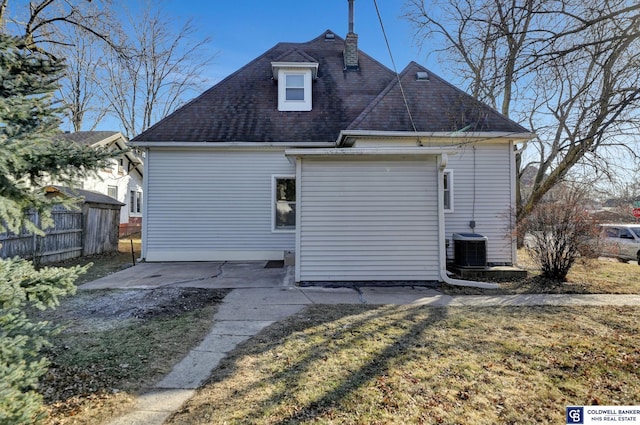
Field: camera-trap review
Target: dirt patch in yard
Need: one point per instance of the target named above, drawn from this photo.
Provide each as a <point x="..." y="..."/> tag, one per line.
<point x="114" y="343"/>
<point x="106" y="309"/>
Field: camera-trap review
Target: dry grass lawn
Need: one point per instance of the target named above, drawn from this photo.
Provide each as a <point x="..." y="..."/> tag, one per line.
<point x="383" y="365"/>
<point x="357" y="364"/>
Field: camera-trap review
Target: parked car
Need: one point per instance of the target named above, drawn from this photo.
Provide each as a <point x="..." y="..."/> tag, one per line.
<point x="621" y="241"/>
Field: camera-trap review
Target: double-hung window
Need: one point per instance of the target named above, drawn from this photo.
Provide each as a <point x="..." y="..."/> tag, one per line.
<point x="284" y="203"/>
<point x="294" y="90"/>
<point x="447" y="190"/>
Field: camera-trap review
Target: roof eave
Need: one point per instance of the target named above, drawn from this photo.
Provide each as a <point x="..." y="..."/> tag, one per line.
<point x="226" y="145"/>
<point x="108" y="140"/>
<point x="349" y="137"/>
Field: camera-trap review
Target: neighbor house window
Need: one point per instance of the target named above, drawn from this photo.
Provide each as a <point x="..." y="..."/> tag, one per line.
<point x="284" y="207"/>
<point x="135" y="202"/>
<point x="447" y="186"/>
<point x="112" y="191"/>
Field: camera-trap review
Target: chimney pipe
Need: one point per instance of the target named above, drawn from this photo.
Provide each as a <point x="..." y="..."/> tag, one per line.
<point x="350" y="15"/>
<point x="351" y="44"/>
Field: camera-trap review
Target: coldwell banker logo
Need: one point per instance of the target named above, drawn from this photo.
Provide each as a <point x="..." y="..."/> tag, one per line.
<point x="575" y="415"/>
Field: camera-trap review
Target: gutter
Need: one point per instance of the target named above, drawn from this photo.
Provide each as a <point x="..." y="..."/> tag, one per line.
<point x="226" y="145"/>
<point x="372" y="151"/>
<point x="349" y="137"/>
<point x="442" y="163"/>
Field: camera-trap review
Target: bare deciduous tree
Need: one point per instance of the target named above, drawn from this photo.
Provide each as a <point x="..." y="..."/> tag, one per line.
<point x="78" y="89"/>
<point x="66" y="29"/>
<point x="559" y="232"/>
<point x="159" y="69"/>
<point x="134" y="63"/>
<point x="39" y="24"/>
<point x="567" y="69"/>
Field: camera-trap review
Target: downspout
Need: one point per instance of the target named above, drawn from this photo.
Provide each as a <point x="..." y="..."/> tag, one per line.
<point x="442" y="163"/>
<point x="145" y="202"/>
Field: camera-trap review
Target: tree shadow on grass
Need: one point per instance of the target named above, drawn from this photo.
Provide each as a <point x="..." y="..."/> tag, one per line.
<point x="319" y="358"/>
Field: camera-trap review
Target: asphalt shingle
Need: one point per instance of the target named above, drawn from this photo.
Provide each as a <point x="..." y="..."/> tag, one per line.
<point x="244" y="106"/>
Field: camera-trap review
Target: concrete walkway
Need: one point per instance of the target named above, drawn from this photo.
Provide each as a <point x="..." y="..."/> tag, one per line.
<point x="260" y="297"/>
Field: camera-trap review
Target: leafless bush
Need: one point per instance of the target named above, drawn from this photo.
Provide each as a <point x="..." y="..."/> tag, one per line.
<point x="557" y="233"/>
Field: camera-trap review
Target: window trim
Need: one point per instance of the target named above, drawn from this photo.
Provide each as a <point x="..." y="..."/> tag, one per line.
<point x="294" y="105"/>
<point x="274" y="203"/>
<point x="448" y="174"/>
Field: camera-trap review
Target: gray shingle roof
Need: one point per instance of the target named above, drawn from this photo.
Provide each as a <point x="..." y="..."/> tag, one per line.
<point x="435" y="105"/>
<point x="88" y="196"/>
<point x="244" y="106"/>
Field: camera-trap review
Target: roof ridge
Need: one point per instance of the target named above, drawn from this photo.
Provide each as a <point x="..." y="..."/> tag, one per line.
<point x="375" y="102"/>
<point x="296" y="50"/>
<point x="464" y="93"/>
<point x="486" y="109"/>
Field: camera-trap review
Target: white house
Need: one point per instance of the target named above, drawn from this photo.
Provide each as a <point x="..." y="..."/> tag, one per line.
<point x="122" y="180"/>
<point x="317" y="149"/>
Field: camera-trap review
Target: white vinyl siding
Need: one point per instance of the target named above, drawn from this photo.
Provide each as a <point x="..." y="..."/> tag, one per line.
<point x="364" y="220"/>
<point x="489" y="178"/>
<point x="213" y="205"/>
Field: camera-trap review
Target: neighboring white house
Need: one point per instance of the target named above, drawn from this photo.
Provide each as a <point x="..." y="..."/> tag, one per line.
<point x="318" y="149"/>
<point x="121" y="180"/>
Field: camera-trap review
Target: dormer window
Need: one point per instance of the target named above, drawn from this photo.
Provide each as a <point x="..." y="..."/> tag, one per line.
<point x="294" y="84"/>
<point x="294" y="87"/>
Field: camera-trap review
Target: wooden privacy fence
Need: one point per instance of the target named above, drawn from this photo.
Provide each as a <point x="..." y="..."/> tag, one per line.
<point x="91" y="230"/>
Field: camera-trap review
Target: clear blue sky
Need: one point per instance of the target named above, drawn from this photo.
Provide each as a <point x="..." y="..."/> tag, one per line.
<point x="242" y="30"/>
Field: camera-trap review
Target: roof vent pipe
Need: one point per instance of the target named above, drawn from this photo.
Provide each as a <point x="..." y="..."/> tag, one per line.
<point x="351" y="44"/>
<point x="350" y="15"/>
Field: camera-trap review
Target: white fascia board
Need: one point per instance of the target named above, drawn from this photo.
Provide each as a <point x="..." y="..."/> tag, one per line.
<point x="394" y="151"/>
<point x="276" y="66"/>
<point x="108" y="140"/>
<point x="349" y="137"/>
<point x="122" y="144"/>
<point x="227" y="145"/>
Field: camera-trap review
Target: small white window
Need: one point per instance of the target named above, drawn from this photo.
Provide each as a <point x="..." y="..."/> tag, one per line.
<point x="295" y="87"/>
<point x="447" y="190"/>
<point x="294" y="84"/>
<point x="284" y="203"/>
<point x="294" y="90"/>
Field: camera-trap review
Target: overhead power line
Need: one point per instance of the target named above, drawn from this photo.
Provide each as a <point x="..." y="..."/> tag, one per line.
<point x="395" y="69"/>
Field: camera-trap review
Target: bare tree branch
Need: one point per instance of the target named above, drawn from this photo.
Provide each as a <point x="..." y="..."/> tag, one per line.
<point x="568" y="69"/>
<point x="160" y="68"/>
